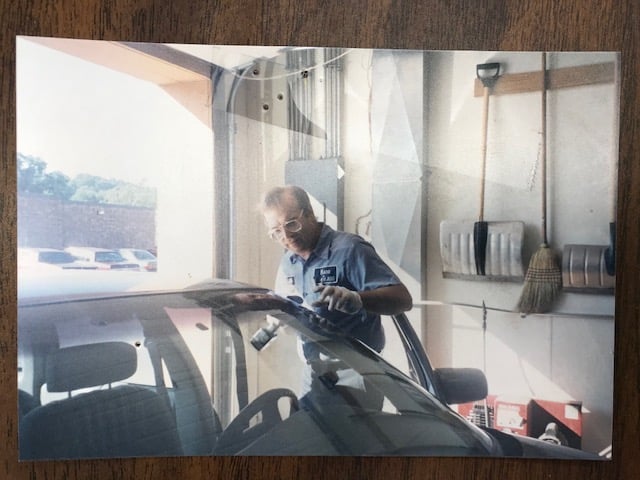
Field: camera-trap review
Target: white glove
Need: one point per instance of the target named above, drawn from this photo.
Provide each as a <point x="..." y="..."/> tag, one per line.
<point x="338" y="298"/>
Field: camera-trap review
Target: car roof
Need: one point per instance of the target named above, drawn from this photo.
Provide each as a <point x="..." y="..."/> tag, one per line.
<point x="40" y="287"/>
<point x="91" y="249"/>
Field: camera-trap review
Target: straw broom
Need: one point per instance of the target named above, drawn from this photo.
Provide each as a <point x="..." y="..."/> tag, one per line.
<point x="543" y="279"/>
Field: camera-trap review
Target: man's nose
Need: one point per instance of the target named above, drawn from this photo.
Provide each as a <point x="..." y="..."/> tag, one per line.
<point x="286" y="234"/>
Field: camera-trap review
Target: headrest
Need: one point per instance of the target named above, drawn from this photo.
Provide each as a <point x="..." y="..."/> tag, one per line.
<point x="90" y="365"/>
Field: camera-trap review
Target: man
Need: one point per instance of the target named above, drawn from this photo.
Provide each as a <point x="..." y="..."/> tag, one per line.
<point x="338" y="273"/>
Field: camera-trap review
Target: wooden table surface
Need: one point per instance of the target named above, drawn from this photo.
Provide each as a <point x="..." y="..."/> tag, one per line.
<point x="417" y="24"/>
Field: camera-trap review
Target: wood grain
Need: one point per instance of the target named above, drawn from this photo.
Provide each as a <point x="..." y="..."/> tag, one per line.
<point x="421" y="24"/>
<point x="566" y="77"/>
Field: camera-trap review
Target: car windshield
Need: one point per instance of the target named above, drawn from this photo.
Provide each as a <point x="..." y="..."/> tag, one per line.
<point x="143" y="255"/>
<point x="109" y="257"/>
<point x="220" y="371"/>
<point x="55" y="257"/>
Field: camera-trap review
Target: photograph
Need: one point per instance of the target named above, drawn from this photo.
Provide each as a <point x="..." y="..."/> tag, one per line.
<point x="230" y="250"/>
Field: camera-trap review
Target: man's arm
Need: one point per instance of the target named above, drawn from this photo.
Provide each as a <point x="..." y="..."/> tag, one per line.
<point x="389" y="300"/>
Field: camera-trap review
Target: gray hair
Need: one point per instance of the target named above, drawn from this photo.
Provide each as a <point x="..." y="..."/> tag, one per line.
<point x="274" y="198"/>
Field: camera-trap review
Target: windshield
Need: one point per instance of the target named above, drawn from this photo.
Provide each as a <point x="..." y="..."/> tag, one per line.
<point x="109" y="257"/>
<point x="143" y="255"/>
<point x="55" y="257"/>
<point x="243" y="371"/>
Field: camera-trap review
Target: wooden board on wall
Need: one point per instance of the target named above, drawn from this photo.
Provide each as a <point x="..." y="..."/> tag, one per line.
<point x="418" y="24"/>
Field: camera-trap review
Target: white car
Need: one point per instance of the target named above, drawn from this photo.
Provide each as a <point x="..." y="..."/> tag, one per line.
<point x="102" y="258"/>
<point x="49" y="258"/>
<point x="147" y="260"/>
<point x="216" y="369"/>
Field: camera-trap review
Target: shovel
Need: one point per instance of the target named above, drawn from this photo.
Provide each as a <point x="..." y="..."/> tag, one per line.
<point x="610" y="251"/>
<point x="591" y="268"/>
<point x="488" y="74"/>
<point x="467" y="250"/>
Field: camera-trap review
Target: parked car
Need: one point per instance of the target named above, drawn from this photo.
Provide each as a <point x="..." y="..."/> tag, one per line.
<point x="147" y="260"/>
<point x="216" y="369"/>
<point x="48" y="258"/>
<point x="101" y="258"/>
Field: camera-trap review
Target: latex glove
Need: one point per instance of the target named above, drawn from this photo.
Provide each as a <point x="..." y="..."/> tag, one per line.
<point x="338" y="298"/>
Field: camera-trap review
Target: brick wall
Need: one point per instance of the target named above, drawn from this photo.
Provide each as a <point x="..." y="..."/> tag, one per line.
<point x="49" y="222"/>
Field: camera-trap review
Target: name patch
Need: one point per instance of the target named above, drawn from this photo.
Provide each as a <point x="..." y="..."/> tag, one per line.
<point x="326" y="275"/>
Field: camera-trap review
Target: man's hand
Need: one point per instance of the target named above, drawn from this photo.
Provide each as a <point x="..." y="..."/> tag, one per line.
<point x="338" y="298"/>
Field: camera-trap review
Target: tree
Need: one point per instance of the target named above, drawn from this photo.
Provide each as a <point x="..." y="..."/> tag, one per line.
<point x="89" y="188"/>
<point x="33" y="178"/>
<point x="30" y="173"/>
<point x="92" y="182"/>
<point x="57" y="184"/>
<point x="129" y="194"/>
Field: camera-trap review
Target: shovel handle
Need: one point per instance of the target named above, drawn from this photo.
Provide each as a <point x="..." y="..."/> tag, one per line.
<point x="488" y="73"/>
<point x="483" y="164"/>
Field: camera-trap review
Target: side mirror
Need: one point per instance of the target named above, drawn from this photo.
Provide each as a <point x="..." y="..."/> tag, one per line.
<point x="461" y="385"/>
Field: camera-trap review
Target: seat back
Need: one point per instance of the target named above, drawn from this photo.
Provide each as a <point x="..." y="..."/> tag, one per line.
<point x="123" y="421"/>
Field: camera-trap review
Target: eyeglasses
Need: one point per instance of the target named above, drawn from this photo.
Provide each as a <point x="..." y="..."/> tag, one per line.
<point x="291" y="226"/>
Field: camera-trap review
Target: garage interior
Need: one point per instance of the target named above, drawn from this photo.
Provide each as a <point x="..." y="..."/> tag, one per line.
<point x="388" y="143"/>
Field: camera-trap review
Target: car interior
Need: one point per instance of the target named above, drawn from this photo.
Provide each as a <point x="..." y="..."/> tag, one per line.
<point x="123" y="420"/>
<point x="170" y="375"/>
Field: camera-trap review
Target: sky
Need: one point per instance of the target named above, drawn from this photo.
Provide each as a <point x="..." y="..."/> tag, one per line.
<point x="80" y="117"/>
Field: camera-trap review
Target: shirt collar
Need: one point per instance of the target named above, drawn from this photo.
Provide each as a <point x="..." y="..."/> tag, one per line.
<point x="322" y="248"/>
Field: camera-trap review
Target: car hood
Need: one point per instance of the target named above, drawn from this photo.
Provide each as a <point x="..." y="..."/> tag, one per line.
<point x="514" y="445"/>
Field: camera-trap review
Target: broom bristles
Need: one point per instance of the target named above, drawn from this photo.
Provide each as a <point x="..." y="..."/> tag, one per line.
<point x="542" y="283"/>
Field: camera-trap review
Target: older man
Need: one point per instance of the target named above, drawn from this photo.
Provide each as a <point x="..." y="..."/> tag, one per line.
<point x="338" y="273"/>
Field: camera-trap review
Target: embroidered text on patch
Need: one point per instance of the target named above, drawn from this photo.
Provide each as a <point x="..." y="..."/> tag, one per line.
<point x="326" y="275"/>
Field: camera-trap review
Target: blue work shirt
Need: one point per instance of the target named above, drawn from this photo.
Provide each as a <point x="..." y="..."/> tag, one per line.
<point x="347" y="260"/>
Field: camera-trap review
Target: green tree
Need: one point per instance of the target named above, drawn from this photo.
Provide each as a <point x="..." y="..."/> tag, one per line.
<point x="34" y="178"/>
<point x="86" y="194"/>
<point x="129" y="194"/>
<point x="92" y="182"/>
<point x="30" y="172"/>
<point x="57" y="184"/>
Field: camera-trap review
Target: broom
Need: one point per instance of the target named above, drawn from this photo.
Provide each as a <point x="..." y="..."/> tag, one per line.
<point x="543" y="279"/>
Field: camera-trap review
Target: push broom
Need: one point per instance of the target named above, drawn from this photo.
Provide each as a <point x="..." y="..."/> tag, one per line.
<point x="543" y="280"/>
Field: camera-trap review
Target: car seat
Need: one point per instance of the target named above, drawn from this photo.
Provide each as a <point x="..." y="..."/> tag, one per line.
<point x="119" y="421"/>
<point x="26" y="403"/>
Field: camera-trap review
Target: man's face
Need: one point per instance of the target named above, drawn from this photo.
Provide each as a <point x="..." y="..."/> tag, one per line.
<point x="294" y="230"/>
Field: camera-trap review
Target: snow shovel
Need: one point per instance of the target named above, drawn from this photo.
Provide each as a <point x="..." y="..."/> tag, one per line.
<point x="493" y="248"/>
<point x="584" y="269"/>
<point x="488" y="73"/>
<point x="610" y="251"/>
<point x="591" y="268"/>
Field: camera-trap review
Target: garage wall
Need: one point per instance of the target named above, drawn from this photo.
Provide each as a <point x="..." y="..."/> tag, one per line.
<point x="367" y="156"/>
<point x="380" y="157"/>
<point x="565" y="355"/>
